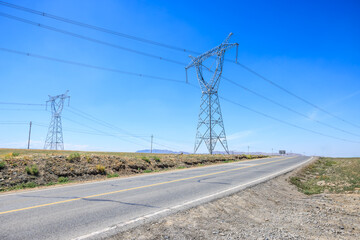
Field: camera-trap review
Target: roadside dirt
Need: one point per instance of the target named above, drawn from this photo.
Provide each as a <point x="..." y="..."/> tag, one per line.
<point x="271" y="210"/>
<point x="41" y="169"/>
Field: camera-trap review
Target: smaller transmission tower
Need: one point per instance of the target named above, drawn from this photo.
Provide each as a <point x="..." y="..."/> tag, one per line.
<point x="54" y="139"/>
<point x="210" y="128"/>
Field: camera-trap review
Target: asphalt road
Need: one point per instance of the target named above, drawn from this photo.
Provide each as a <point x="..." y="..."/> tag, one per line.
<point x="96" y="209"/>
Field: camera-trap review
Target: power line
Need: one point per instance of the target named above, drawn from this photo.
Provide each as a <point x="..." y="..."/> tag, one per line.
<point x="44" y="14"/>
<point x="288" y="108"/>
<point x="165" y="79"/>
<point x="161" y="78"/>
<point x="13" y="122"/>
<point x="19" y="109"/>
<point x="74" y="130"/>
<point x="279" y="120"/>
<point x="89" y="39"/>
<point x="176" y="62"/>
<point x="285" y="122"/>
<point x="113" y="45"/>
<point x="77" y="130"/>
<point x="163" y="145"/>
<point x="27" y="54"/>
<point x="283" y="106"/>
<point x="178" y="146"/>
<point x="108" y="134"/>
<point x="225" y="99"/>
<point x="24" y="104"/>
<point x="294" y="95"/>
<point x="105" y="133"/>
<point x="102" y="133"/>
<point x="100" y="122"/>
<point x="92" y="118"/>
<point x="108" y="125"/>
<point x="111" y="126"/>
<point x="101" y="29"/>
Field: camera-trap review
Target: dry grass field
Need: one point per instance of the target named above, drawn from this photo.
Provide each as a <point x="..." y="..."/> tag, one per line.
<point x="329" y="175"/>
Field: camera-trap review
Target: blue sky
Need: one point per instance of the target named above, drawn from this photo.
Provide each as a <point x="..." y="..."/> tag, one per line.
<point x="309" y="47"/>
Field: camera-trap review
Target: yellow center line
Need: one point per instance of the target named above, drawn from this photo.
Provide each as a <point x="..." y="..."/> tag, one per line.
<point x="134" y="188"/>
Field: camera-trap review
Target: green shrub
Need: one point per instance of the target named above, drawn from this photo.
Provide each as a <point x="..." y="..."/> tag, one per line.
<point x="88" y="159"/>
<point x="145" y="159"/>
<point x="147" y="171"/>
<point x="15" y="154"/>
<point x="20" y="186"/>
<point x="30" y="185"/>
<point x="329" y="163"/>
<point x="228" y="161"/>
<point x="73" y="157"/>
<point x="2" y="164"/>
<point x="157" y="159"/>
<point x="112" y="175"/>
<point x="296" y="181"/>
<point x="306" y="187"/>
<point x="63" y="180"/>
<point x="33" y="170"/>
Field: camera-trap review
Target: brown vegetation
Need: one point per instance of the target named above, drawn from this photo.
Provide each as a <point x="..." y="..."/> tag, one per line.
<point x="23" y="168"/>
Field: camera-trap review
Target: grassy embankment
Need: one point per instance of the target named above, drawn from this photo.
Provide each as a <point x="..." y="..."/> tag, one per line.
<point x="329" y="175"/>
<point x="21" y="168"/>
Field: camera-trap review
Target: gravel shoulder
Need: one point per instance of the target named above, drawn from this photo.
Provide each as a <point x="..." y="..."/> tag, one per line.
<point x="271" y="210"/>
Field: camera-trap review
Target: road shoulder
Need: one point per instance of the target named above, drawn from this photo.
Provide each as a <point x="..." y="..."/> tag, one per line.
<point x="271" y="210"/>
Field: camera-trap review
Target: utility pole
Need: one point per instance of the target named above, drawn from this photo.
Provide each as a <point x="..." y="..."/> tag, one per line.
<point x="29" y="135"/>
<point x="152" y="136"/>
<point x="210" y="128"/>
<point x="54" y="139"/>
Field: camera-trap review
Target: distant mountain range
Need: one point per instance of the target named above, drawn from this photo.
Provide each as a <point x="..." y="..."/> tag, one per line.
<point x="160" y="151"/>
<point x="164" y="151"/>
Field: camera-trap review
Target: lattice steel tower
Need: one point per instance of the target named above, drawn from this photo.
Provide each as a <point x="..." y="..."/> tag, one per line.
<point x="210" y="128"/>
<point x="54" y="139"/>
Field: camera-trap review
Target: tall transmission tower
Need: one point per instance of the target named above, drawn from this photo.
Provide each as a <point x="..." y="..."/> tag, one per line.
<point x="210" y="128"/>
<point x="54" y="139"/>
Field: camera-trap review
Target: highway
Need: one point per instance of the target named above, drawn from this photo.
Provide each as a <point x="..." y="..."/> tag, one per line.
<point x="97" y="209"/>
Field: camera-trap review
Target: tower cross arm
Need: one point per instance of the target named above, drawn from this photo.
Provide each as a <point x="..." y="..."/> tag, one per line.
<point x="218" y="50"/>
<point x="227" y="46"/>
<point x="54" y="139"/>
<point x="210" y="129"/>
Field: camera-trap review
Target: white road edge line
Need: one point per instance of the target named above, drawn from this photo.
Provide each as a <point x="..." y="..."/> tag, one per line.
<point x="189" y="202"/>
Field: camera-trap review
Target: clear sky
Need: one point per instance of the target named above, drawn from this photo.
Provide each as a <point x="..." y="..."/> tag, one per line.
<point x="311" y="48"/>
